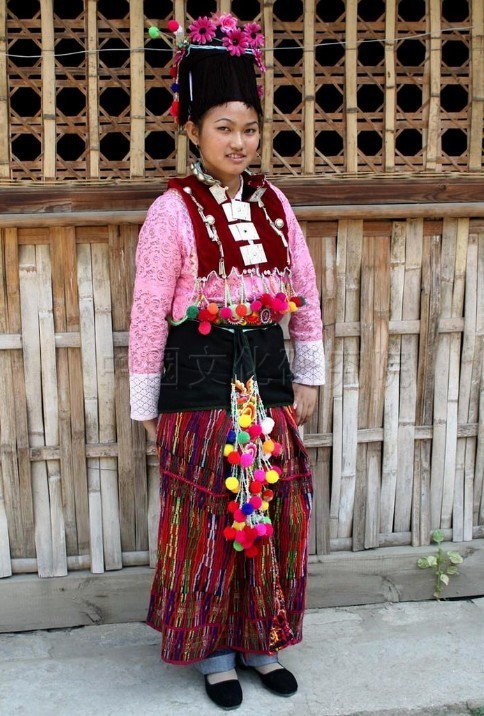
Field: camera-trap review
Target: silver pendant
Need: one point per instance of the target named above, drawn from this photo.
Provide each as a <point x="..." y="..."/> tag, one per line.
<point x="253" y="254"/>
<point x="244" y="232"/>
<point x="241" y="211"/>
<point x="219" y="193"/>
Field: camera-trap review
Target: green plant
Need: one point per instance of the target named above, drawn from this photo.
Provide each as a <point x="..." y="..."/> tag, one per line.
<point x="444" y="564"/>
<point x="479" y="711"/>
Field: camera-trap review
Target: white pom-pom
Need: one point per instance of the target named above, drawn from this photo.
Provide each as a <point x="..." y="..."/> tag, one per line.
<point x="267" y="426"/>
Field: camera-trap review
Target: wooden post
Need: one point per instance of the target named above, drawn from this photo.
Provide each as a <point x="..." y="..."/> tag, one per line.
<point x="4" y="109"/>
<point x="308" y="159"/>
<point x="48" y="89"/>
<point x="137" y="151"/>
<point x="433" y="124"/>
<point x="181" y="139"/>
<point x="477" y="85"/>
<point x="390" y="85"/>
<point x="351" y="67"/>
<point x="92" y="89"/>
<point x="267" y="131"/>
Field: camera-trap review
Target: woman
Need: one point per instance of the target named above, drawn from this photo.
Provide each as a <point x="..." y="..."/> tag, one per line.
<point x="220" y="261"/>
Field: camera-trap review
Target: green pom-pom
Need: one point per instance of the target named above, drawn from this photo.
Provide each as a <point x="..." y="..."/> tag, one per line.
<point x="192" y="311"/>
<point x="243" y="437"/>
<point x="237" y="546"/>
<point x="154" y="32"/>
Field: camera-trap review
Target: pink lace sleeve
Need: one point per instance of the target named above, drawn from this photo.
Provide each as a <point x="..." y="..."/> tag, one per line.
<point x="159" y="259"/>
<point x="305" y="326"/>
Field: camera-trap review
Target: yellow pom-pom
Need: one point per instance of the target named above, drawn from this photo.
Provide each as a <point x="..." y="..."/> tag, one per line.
<point x="232" y="484"/>
<point x="244" y="421"/>
<point x="272" y="476"/>
<point x="228" y="449"/>
<point x="239" y="525"/>
<point x="268" y="445"/>
<point x="265" y="506"/>
<point x="292" y="306"/>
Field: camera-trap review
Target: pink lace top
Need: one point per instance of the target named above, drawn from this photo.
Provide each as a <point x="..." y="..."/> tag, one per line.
<point x="166" y="284"/>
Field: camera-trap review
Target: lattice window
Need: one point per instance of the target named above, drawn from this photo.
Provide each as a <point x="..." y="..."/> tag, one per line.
<point x="25" y="88"/>
<point x="288" y="81"/>
<point x="381" y="117"/>
<point x="454" y="84"/>
<point x="329" y="95"/>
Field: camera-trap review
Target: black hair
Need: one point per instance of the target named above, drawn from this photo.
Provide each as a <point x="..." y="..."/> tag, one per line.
<point x="217" y="77"/>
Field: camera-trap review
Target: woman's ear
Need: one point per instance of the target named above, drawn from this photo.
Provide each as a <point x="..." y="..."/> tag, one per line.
<point x="192" y="132"/>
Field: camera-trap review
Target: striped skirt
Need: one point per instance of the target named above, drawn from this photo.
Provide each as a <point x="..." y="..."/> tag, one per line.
<point x="205" y="595"/>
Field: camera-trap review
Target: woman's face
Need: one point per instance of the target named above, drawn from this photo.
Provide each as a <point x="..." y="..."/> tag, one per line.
<point x="228" y="139"/>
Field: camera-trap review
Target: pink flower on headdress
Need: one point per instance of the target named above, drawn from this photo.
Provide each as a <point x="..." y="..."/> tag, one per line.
<point x="227" y="23"/>
<point x="258" y="59"/>
<point x="260" y="91"/>
<point x="202" y="30"/>
<point x="254" y="36"/>
<point x="236" y="42"/>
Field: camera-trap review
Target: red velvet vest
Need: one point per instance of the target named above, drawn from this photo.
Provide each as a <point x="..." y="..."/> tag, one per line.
<point x="208" y="251"/>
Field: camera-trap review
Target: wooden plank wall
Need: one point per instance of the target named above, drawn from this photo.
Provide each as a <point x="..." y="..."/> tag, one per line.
<point x="397" y="443"/>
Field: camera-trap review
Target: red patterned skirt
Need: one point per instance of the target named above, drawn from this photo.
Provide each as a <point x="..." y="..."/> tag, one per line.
<point x="205" y="595"/>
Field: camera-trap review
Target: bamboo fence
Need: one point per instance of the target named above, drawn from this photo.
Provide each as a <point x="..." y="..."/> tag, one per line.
<point x="353" y="92"/>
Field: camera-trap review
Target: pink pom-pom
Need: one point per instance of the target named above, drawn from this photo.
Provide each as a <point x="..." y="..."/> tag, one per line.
<point x="173" y="25"/>
<point x="281" y="296"/>
<point x="277" y="450"/>
<point x="269" y="530"/>
<point x="260" y="529"/>
<point x="259" y="475"/>
<point x="239" y="516"/>
<point x="225" y="312"/>
<point x="254" y="431"/>
<point x="256" y="306"/>
<point x="256" y="501"/>
<point x="204" y="328"/>
<point x="240" y="537"/>
<point x="276" y="468"/>
<point x="246" y="459"/>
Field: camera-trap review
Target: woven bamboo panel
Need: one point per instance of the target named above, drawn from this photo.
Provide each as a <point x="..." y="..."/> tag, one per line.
<point x="351" y="87"/>
<point x="397" y="443"/>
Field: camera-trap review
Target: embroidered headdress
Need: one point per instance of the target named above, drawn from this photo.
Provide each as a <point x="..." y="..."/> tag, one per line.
<point x="214" y="64"/>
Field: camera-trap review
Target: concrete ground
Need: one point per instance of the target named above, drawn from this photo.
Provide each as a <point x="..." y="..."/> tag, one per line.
<point x="423" y="658"/>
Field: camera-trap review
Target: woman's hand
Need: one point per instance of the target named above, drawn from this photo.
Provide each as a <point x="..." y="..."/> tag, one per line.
<point x="150" y="426"/>
<point x="305" y="397"/>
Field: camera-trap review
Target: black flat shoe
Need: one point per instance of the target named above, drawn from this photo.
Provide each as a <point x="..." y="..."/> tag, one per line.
<point x="279" y="681"/>
<point x="226" y="694"/>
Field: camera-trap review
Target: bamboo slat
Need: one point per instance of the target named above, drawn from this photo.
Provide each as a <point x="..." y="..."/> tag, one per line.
<point x="390" y="84"/>
<point x="429" y="320"/>
<point x="468" y="404"/>
<point x="308" y="163"/>
<point x="31" y="352"/>
<point x="442" y="372"/>
<point x="106" y="405"/>
<point x="479" y="466"/>
<point x="477" y="83"/>
<point x="351" y="36"/>
<point x="25" y="505"/>
<point x="48" y="90"/>
<point x="433" y="122"/>
<point x="408" y="374"/>
<point x="350" y="380"/>
<point x="50" y="407"/>
<point x="8" y="463"/>
<point x="4" y="109"/>
<point x="392" y="387"/>
<point x="92" y="89"/>
<point x="137" y="68"/>
<point x="89" y="375"/>
<point x="337" y="380"/>
<point x="453" y="497"/>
